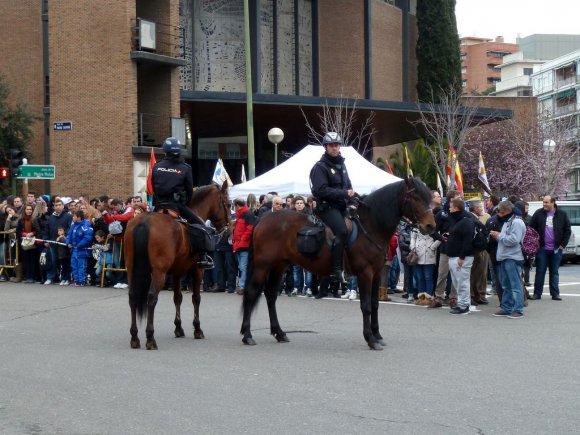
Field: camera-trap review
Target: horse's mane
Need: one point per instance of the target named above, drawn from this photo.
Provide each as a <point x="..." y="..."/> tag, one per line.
<point x="383" y="201"/>
<point x="201" y="192"/>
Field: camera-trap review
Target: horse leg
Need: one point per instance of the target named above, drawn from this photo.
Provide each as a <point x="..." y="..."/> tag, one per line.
<point x="271" y="293"/>
<point x="251" y="295"/>
<point x="177" y="299"/>
<point x="366" y="288"/>
<point x="375" y="313"/>
<point x="196" y="300"/>
<point x="157" y="282"/>
<point x="135" y="343"/>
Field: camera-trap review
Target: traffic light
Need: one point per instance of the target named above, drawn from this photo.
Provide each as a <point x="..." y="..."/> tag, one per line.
<point x="3" y="175"/>
<point x="16" y="157"/>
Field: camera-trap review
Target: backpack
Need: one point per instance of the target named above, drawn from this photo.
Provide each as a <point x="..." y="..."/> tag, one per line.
<point x="531" y="242"/>
<point x="480" y="236"/>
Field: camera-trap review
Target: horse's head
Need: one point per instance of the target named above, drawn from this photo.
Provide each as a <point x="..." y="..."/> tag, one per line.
<point x="416" y="205"/>
<point x="211" y="202"/>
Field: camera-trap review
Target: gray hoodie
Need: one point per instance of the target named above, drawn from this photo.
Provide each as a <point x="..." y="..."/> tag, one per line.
<point x="510" y="240"/>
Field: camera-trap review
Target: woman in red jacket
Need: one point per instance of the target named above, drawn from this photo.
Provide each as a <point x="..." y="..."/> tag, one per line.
<point x="242" y="238"/>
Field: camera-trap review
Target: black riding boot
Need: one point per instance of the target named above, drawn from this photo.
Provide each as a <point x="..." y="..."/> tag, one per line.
<point x="337" y="275"/>
<point x="205" y="261"/>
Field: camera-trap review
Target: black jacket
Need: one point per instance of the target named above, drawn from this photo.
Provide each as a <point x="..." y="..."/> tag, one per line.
<point x="460" y="241"/>
<point x="172" y="181"/>
<point x="561" y="222"/>
<point x="443" y="222"/>
<point x="330" y="182"/>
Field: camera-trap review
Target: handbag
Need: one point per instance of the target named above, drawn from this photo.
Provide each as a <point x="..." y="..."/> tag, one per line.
<point x="115" y="227"/>
<point x="413" y="257"/>
<point x="28" y="243"/>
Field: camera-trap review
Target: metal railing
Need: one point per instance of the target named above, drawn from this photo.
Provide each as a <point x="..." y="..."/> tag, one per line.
<point x="9" y="251"/>
<point x="117" y="258"/>
<point x="562" y="83"/>
<point x="168" y="39"/>
<point x="565" y="110"/>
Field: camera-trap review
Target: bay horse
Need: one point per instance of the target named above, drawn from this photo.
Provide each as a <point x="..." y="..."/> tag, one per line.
<point x="157" y="245"/>
<point x="273" y="248"/>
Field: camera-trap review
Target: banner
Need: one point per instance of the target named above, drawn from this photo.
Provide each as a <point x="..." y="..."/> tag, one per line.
<point x="439" y="185"/>
<point x="409" y="170"/>
<point x="482" y="175"/>
<point x="152" y="162"/>
<point x="243" y="174"/>
<point x="220" y="174"/>
<point x="452" y="161"/>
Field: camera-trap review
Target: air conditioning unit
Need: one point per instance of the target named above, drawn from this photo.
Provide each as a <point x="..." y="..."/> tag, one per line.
<point x="147" y="37"/>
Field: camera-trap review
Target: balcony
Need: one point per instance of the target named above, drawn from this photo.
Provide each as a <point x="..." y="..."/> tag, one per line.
<point x="566" y="110"/>
<point x="153" y="129"/>
<point x="568" y="81"/>
<point x="157" y="43"/>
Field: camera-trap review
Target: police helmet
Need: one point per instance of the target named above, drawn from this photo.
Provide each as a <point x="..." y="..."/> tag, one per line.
<point x="331" y="137"/>
<point x="172" y="146"/>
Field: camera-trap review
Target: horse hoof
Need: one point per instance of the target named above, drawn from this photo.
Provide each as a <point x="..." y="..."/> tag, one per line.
<point x="179" y="333"/>
<point x="375" y="346"/>
<point x="135" y="344"/>
<point x="249" y="341"/>
<point x="151" y="345"/>
<point x="282" y="338"/>
<point x="381" y="341"/>
<point x="198" y="335"/>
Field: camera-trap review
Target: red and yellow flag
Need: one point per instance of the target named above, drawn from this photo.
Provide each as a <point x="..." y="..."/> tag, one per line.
<point x="451" y="160"/>
<point x="152" y="162"/>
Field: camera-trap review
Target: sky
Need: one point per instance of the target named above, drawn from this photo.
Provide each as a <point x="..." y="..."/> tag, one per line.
<point x="508" y="18"/>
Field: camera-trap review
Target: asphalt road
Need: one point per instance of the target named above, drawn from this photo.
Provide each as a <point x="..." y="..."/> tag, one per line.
<point x="66" y="368"/>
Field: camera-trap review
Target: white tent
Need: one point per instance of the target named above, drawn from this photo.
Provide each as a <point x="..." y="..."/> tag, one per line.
<point x="293" y="176"/>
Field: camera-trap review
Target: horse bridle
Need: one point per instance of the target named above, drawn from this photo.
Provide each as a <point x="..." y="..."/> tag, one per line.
<point x="415" y="219"/>
<point x="221" y="233"/>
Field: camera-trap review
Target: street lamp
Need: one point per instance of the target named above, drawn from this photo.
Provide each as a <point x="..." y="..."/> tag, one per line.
<point x="549" y="146"/>
<point x="275" y="135"/>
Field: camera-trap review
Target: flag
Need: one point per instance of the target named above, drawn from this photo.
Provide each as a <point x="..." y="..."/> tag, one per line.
<point x="409" y="170"/>
<point x="220" y="174"/>
<point x="439" y="185"/>
<point x="482" y="175"/>
<point x="152" y="162"/>
<point x="389" y="169"/>
<point x="452" y="161"/>
<point x="243" y="174"/>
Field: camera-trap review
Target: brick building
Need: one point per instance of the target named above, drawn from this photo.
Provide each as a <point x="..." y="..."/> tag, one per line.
<point x="479" y="58"/>
<point x="128" y="73"/>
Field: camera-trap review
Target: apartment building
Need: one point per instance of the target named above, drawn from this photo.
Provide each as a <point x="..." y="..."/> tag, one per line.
<point x="479" y="58"/>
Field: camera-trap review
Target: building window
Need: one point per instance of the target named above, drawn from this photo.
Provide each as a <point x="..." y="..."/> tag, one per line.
<point x="462" y="57"/>
<point x="498" y="54"/>
<point x="464" y="83"/>
<point x="528" y="71"/>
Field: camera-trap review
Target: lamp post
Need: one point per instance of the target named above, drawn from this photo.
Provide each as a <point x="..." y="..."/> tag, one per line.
<point x="549" y="146"/>
<point x="275" y="135"/>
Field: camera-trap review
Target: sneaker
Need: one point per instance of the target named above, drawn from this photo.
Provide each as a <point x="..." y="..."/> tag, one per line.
<point x="500" y="313"/>
<point x="515" y="315"/>
<point x="458" y="310"/>
<point x="346" y="295"/>
<point x="410" y="299"/>
<point x="123" y="285"/>
<point x="65" y="282"/>
<point x="308" y="293"/>
<point x="118" y="285"/>
<point x="353" y="295"/>
<point x="78" y="285"/>
<point x="2" y="278"/>
<point x="293" y="293"/>
<point x="491" y="292"/>
<point x="48" y="282"/>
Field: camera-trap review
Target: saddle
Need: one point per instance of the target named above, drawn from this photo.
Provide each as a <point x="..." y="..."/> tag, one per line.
<point x="163" y="209"/>
<point x="200" y="237"/>
<point x="310" y="237"/>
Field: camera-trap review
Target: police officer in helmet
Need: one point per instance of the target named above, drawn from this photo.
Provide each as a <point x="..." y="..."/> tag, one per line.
<point x="172" y="181"/>
<point x="332" y="188"/>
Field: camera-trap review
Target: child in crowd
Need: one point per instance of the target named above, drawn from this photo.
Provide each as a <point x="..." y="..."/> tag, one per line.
<point x="80" y="239"/>
<point x="104" y="257"/>
<point x="63" y="253"/>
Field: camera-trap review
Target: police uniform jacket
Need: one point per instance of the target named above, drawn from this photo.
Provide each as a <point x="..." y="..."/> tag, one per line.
<point x="172" y="181"/>
<point x="330" y="182"/>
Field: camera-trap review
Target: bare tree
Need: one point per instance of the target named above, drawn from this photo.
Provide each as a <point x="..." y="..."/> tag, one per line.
<point x="343" y="118"/>
<point x="447" y="124"/>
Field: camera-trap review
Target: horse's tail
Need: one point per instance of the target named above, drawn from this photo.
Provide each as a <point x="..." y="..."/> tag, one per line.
<point x="251" y="294"/>
<point x="141" y="273"/>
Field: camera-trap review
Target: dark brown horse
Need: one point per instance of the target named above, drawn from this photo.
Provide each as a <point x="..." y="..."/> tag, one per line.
<point x="157" y="245"/>
<point x="274" y="248"/>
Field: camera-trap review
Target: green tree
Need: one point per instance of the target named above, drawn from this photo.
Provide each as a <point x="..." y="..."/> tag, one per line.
<point x="15" y="124"/>
<point x="437" y="49"/>
<point x="421" y="164"/>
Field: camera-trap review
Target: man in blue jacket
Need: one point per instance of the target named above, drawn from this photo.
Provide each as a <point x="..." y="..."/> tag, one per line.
<point x="80" y="239"/>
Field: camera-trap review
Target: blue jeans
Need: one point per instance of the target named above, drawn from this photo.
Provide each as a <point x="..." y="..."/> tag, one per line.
<point x="302" y="278"/>
<point x="225" y="265"/>
<point x="547" y="259"/>
<point x="53" y="262"/>
<point x="242" y="257"/>
<point x="512" y="299"/>
<point x="394" y="273"/>
<point x="424" y="278"/>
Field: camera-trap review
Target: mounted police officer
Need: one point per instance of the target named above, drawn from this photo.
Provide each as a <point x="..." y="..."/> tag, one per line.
<point x="332" y="188"/>
<point x="173" y="188"/>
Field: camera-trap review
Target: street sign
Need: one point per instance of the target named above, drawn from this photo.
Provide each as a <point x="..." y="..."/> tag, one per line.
<point x="37" y="171"/>
<point x="62" y="126"/>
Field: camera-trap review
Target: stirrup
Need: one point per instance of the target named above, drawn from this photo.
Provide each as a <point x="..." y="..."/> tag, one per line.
<point x="205" y="263"/>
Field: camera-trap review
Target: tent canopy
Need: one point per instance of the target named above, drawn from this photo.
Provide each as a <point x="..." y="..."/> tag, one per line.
<point x="293" y="175"/>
